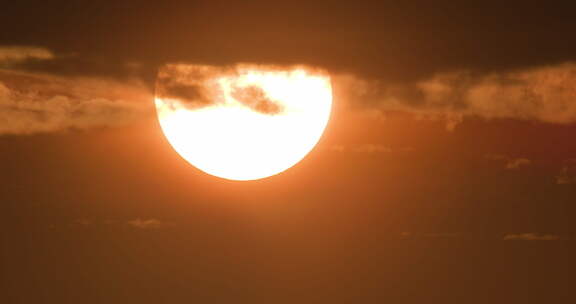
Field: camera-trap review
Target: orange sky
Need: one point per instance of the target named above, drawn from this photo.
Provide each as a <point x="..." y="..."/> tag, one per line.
<point x="446" y="173"/>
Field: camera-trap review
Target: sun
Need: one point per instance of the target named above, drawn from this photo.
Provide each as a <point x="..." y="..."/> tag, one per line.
<point x="244" y="122"/>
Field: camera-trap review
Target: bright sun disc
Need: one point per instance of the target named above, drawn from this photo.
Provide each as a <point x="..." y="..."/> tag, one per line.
<point x="245" y="122"/>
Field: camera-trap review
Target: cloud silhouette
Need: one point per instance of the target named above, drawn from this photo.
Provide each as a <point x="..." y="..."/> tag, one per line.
<point x="255" y="98"/>
<point x="39" y="103"/>
<point x="196" y="86"/>
<point x="545" y="94"/>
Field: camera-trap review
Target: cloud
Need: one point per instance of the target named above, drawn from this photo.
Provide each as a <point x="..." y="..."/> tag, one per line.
<point x="532" y="237"/>
<point x="337" y="148"/>
<point x="511" y="163"/>
<point x="430" y="235"/>
<point x="452" y="121"/>
<point x="18" y="54"/>
<point x="372" y="148"/>
<point x="564" y="178"/>
<point x="364" y="148"/>
<point x="39" y="103"/>
<point x="567" y="174"/>
<point x="196" y="86"/>
<point x="148" y="224"/>
<point x="34" y="102"/>
<point x="138" y="223"/>
<point x="545" y="94"/>
<point x="496" y="157"/>
<point x="83" y="222"/>
<point x="516" y="163"/>
<point x="256" y="99"/>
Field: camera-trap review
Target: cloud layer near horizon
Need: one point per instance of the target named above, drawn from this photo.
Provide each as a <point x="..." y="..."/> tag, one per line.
<point x="544" y="94"/>
<point x="41" y="103"/>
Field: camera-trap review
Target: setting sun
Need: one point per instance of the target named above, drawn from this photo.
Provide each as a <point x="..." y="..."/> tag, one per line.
<point x="242" y="123"/>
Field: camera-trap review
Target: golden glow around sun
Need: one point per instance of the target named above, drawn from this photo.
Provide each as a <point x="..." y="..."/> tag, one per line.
<point x="245" y="122"/>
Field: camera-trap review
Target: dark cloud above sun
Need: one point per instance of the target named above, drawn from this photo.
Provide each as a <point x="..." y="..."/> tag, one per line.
<point x="390" y="40"/>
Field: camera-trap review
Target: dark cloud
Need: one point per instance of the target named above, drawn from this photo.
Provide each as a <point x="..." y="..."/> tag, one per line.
<point x="255" y="98"/>
<point x="198" y="86"/>
<point x="545" y="94"/>
<point x="41" y="103"/>
<point x="193" y="96"/>
<point x="193" y="86"/>
<point x="37" y="96"/>
<point x="77" y="65"/>
<point x="389" y="40"/>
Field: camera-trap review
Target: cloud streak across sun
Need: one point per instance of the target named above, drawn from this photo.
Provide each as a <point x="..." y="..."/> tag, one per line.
<point x="37" y="97"/>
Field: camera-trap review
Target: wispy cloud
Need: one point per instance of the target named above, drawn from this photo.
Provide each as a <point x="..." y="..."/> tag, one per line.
<point x="148" y="223"/>
<point x="516" y="163"/>
<point x="137" y="223"/>
<point x="532" y="237"/>
<point x="529" y="236"/>
<point x="17" y="54"/>
<point x="40" y="103"/>
<point x="567" y="174"/>
<point x="452" y="121"/>
<point x="545" y="94"/>
<point x="372" y="148"/>
<point x="337" y="148"/>
<point x="510" y="163"/>
<point x="431" y="235"/>
<point x="363" y="148"/>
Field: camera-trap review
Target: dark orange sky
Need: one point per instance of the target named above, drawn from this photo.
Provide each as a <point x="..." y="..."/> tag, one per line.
<point x="447" y="172"/>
